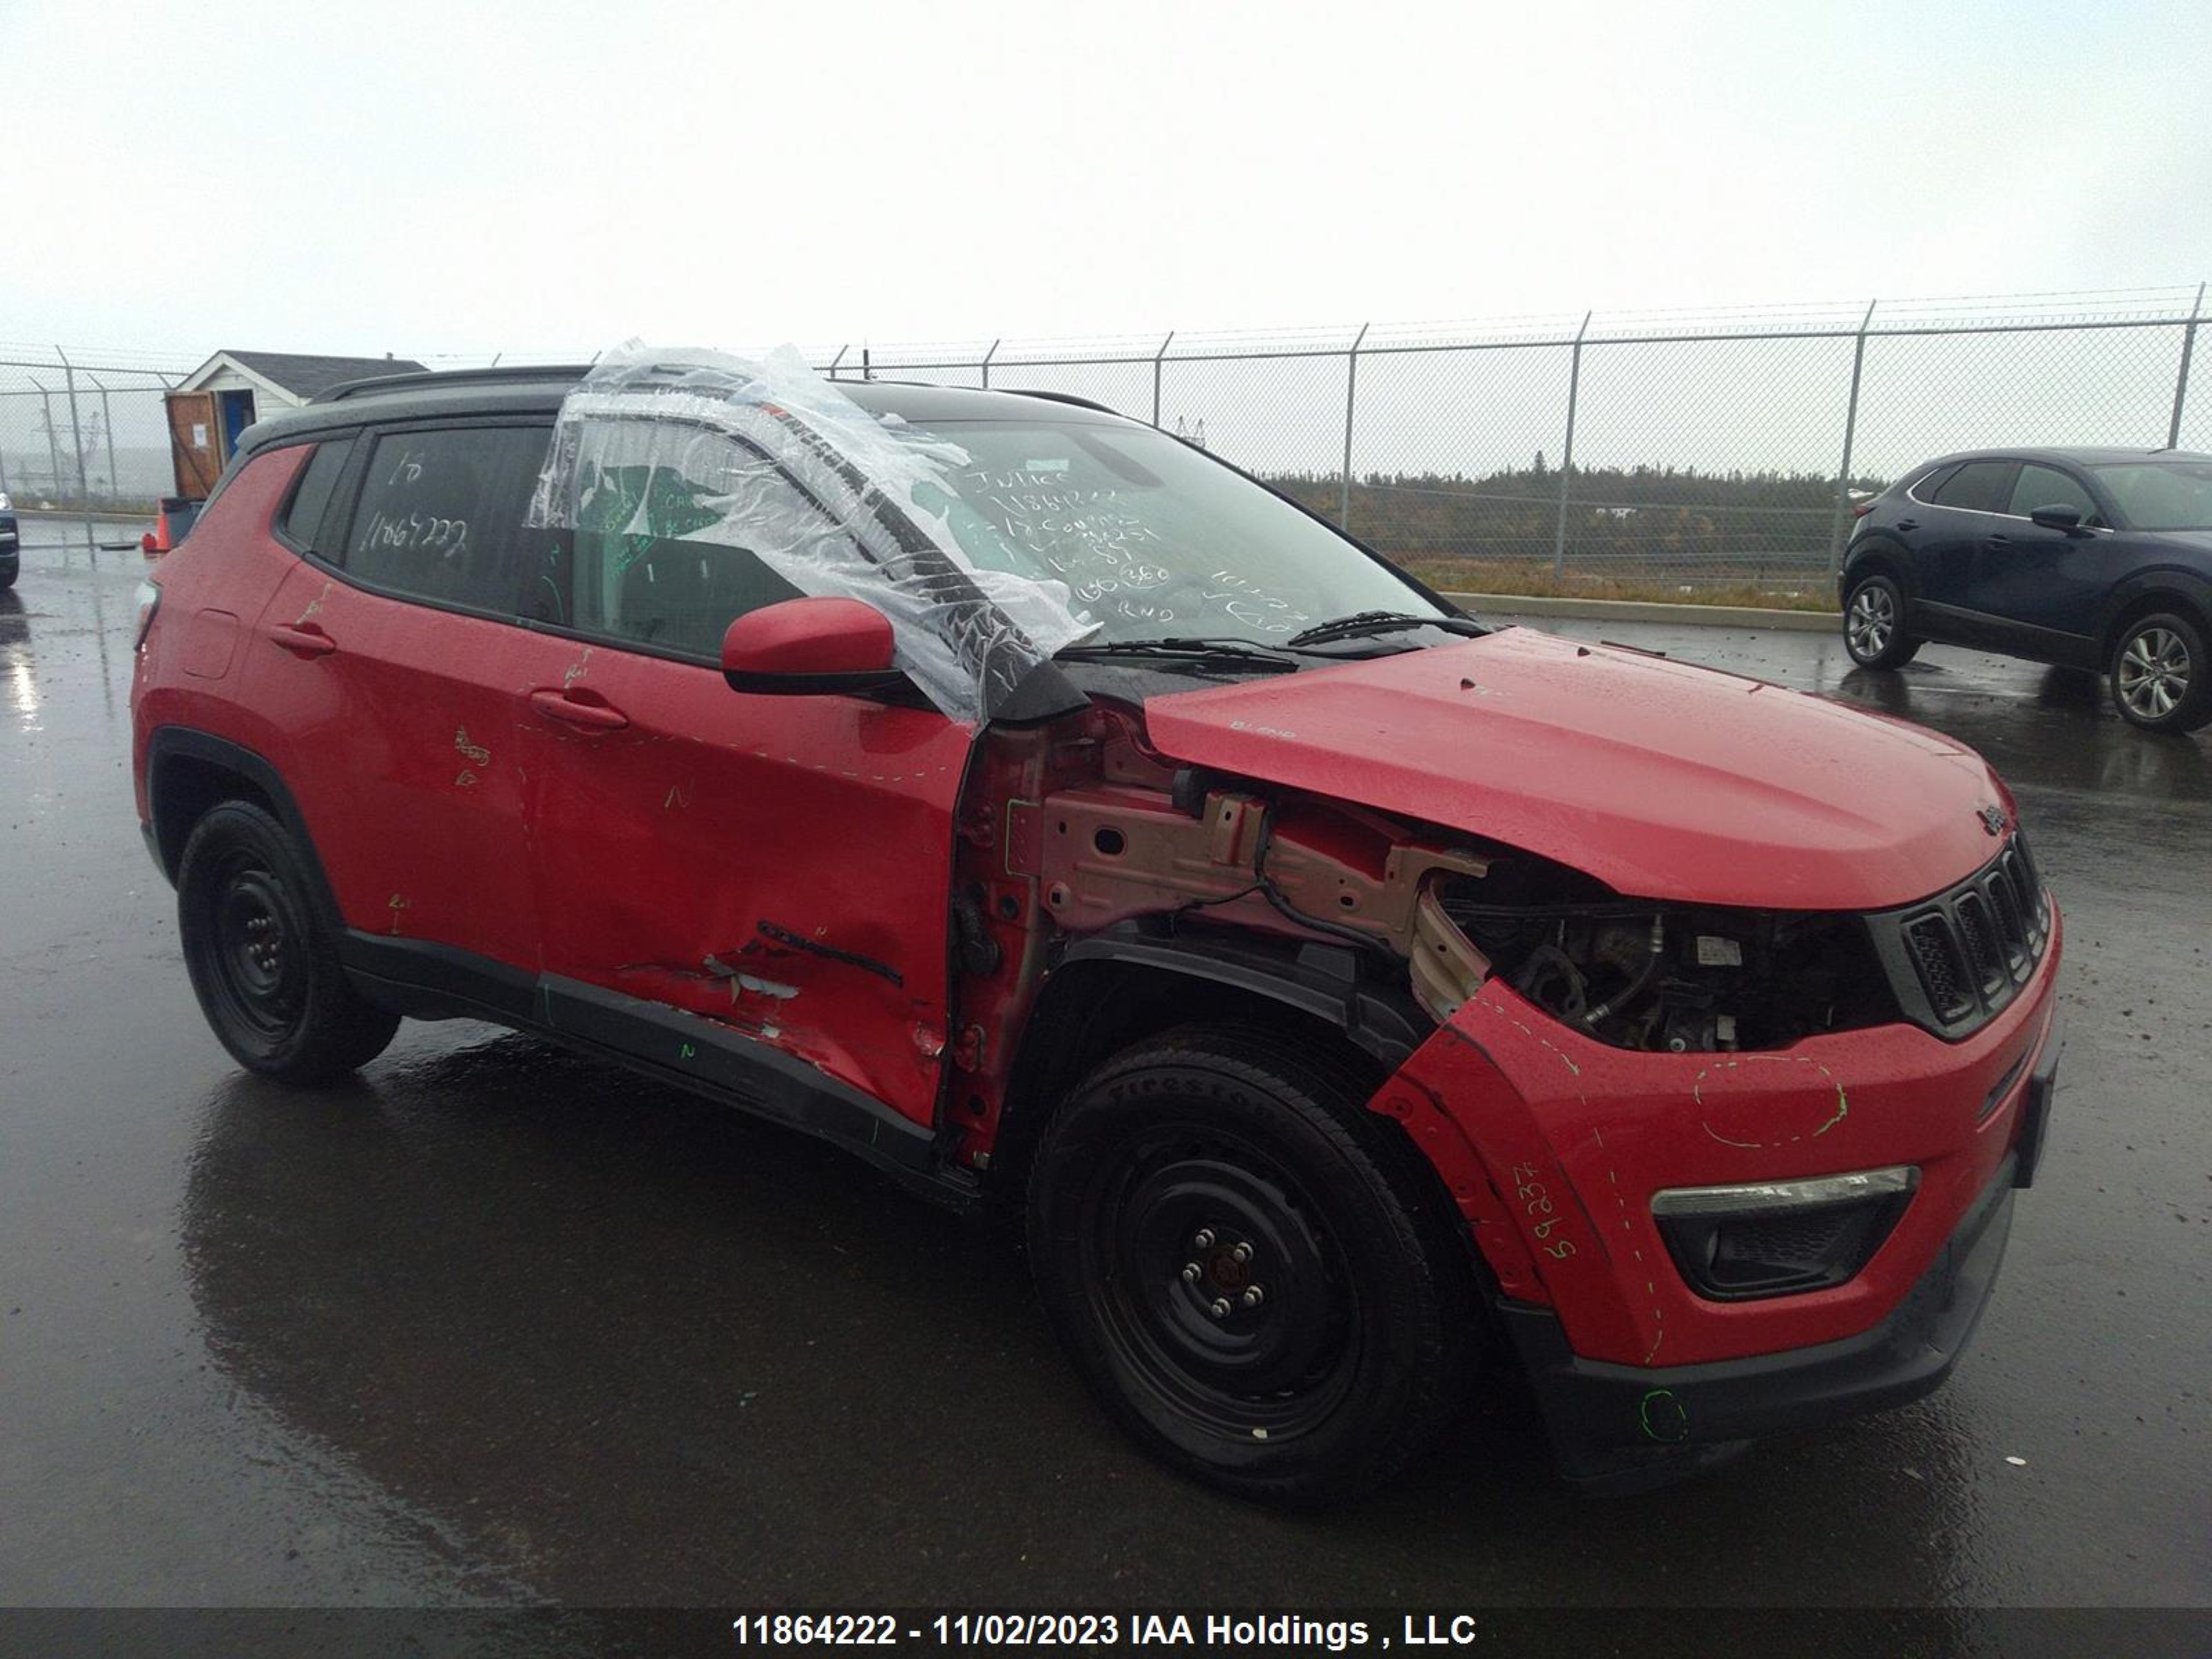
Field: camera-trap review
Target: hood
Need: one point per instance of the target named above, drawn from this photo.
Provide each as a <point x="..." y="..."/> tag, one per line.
<point x="1662" y="780"/>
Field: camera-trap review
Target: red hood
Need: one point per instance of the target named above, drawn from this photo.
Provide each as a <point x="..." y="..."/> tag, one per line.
<point x="1662" y="779"/>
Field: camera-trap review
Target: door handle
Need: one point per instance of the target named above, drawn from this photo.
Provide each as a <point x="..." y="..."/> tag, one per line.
<point x="1999" y="541"/>
<point x="1908" y="524"/>
<point x="596" y="716"/>
<point x="301" y="640"/>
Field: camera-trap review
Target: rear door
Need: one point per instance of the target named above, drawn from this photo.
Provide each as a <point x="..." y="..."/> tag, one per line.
<point x="392" y="658"/>
<point x="778" y="868"/>
<point x="1951" y="520"/>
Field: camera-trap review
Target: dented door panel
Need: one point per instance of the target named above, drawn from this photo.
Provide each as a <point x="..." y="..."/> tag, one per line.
<point x="396" y="739"/>
<point x="781" y="866"/>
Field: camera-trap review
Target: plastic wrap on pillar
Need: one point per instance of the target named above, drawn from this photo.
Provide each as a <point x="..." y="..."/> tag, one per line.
<point x="768" y="456"/>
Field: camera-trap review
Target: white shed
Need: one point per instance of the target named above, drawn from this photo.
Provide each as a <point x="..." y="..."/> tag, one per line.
<point x="230" y="390"/>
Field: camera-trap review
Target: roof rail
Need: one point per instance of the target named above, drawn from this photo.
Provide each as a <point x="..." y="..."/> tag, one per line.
<point x="376" y="384"/>
<point x="1058" y="397"/>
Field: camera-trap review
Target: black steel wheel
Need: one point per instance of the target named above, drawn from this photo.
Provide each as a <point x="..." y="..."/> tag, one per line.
<point x="1261" y="1281"/>
<point x="263" y="966"/>
<point x="2160" y="678"/>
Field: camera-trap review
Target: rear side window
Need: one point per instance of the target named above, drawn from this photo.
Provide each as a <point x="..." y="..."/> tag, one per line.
<point x="311" y="499"/>
<point x="1978" y="487"/>
<point x="2046" y="486"/>
<point x="440" y="514"/>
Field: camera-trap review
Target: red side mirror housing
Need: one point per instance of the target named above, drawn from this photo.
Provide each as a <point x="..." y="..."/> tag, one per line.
<point x="809" y="647"/>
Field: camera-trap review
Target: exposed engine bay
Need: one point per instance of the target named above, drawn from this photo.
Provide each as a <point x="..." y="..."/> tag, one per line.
<point x="1671" y="978"/>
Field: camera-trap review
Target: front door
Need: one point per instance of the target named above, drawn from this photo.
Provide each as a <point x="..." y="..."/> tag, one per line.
<point x="778" y="868"/>
<point x="2047" y="586"/>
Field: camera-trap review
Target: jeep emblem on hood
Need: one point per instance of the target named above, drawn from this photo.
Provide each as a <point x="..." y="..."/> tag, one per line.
<point x="1994" y="819"/>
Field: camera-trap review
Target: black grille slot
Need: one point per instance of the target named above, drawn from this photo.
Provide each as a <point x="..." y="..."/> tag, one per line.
<point x="1985" y="957"/>
<point x="1942" y="976"/>
<point x="1971" y="948"/>
<point x="2012" y="928"/>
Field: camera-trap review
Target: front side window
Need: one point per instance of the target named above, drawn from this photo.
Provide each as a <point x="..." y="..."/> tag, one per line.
<point x="440" y="514"/>
<point x="2046" y="486"/>
<point x="1976" y="487"/>
<point x="640" y="575"/>
<point x="2161" y="494"/>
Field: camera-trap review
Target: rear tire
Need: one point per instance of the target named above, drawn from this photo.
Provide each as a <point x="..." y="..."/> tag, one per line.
<point x="1256" y="1278"/>
<point x="263" y="963"/>
<point x="1873" y="624"/>
<point x="2160" y="675"/>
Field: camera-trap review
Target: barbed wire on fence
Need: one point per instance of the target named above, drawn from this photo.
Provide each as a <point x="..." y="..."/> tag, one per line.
<point x="1696" y="447"/>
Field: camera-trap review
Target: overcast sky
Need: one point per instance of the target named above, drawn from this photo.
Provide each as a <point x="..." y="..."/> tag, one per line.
<point x="468" y="177"/>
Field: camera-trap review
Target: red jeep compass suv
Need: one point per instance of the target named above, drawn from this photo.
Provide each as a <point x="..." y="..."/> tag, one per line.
<point x="1355" y="998"/>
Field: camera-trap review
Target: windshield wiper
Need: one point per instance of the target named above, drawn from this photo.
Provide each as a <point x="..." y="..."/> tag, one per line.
<point x="1380" y="622"/>
<point x="1240" y="651"/>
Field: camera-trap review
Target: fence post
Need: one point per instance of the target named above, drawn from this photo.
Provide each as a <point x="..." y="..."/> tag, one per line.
<point x="1850" y="432"/>
<point x="1350" y="386"/>
<point x="836" y="360"/>
<point x="53" y="450"/>
<point x="76" y="443"/>
<point x="2181" y="381"/>
<point x="1567" y="454"/>
<point x="107" y="425"/>
<point x="1157" y="357"/>
<point x="988" y="355"/>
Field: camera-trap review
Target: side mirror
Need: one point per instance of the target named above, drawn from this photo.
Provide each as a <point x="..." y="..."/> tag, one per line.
<point x="808" y="648"/>
<point x="2056" y="518"/>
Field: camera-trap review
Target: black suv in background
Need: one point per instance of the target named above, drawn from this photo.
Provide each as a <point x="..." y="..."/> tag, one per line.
<point x="2088" y="558"/>
<point x="11" y="543"/>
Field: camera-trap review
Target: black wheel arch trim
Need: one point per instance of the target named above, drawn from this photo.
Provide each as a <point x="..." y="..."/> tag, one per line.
<point x="2188" y="590"/>
<point x="187" y="743"/>
<point x="1320" y="979"/>
<point x="1890" y="558"/>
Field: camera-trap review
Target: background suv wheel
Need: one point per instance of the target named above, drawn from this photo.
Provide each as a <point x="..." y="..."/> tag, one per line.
<point x="2160" y="678"/>
<point x="265" y="967"/>
<point x="1250" y="1272"/>
<point x="1873" y="624"/>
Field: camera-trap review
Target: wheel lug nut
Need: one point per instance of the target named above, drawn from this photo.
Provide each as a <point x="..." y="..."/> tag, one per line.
<point x="1219" y="1309"/>
<point x="1191" y="1271"/>
<point x="1253" y="1296"/>
<point x="1204" y="1241"/>
<point x="1242" y="1253"/>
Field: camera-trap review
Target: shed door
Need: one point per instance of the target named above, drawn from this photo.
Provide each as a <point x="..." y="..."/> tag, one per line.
<point x="194" y="442"/>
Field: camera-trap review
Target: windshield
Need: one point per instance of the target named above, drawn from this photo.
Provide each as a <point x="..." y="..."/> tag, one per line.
<point x="2161" y="494"/>
<point x="1153" y="538"/>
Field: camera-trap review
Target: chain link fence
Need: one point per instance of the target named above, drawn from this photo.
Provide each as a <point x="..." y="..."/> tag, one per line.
<point x="1703" y="453"/>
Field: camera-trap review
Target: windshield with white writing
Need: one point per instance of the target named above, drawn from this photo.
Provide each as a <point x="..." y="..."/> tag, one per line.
<point x="1151" y="537"/>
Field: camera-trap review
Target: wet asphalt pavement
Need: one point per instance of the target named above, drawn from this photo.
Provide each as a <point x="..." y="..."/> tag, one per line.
<point x="494" y="1325"/>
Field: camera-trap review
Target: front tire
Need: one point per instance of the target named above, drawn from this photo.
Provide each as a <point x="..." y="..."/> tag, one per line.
<point x="1873" y="624"/>
<point x="263" y="965"/>
<point x="2161" y="677"/>
<point x="1256" y="1278"/>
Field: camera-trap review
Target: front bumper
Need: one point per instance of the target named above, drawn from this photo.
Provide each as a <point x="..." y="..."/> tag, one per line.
<point x="1554" y="1146"/>
<point x="1623" y="1427"/>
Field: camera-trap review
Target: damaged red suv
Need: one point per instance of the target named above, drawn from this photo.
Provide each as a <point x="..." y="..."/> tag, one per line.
<point x="1358" y="1000"/>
